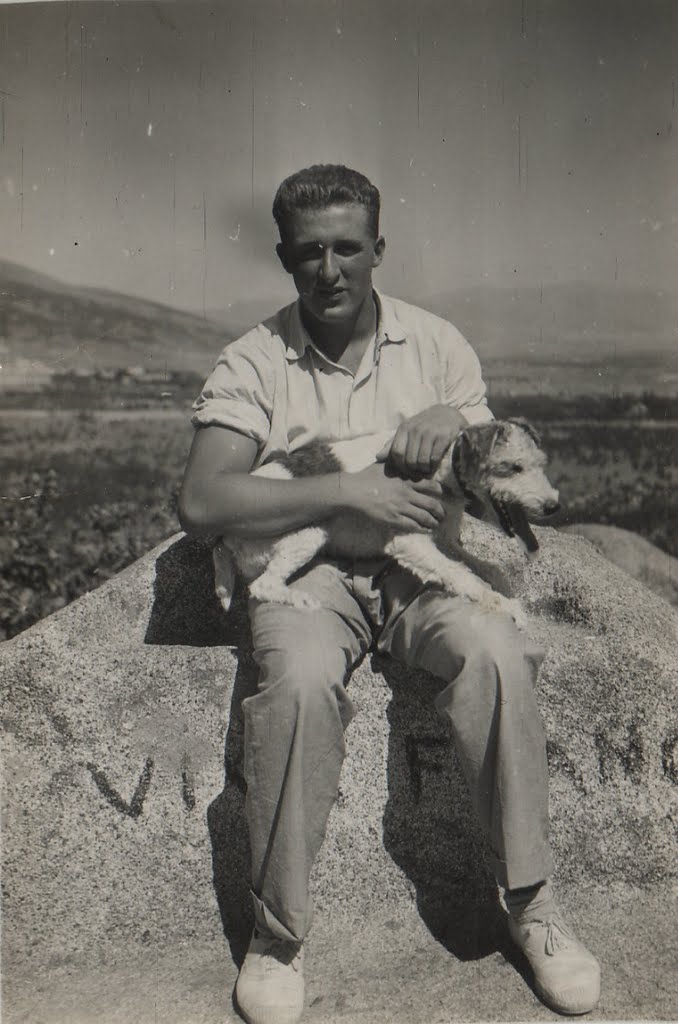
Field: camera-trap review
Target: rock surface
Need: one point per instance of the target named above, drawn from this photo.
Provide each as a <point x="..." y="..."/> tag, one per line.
<point x="124" y="830"/>
<point x="635" y="555"/>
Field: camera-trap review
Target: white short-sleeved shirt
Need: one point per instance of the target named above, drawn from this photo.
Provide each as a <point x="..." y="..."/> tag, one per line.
<point x="275" y="386"/>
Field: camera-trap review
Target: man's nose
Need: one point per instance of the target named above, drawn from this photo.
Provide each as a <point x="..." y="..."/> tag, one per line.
<point x="329" y="268"/>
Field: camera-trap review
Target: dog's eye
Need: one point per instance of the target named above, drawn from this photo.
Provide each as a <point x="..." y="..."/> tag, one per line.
<point x="516" y="468"/>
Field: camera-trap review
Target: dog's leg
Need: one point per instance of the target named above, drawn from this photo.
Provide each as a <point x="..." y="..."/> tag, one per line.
<point x="290" y="553"/>
<point x="224" y="574"/>
<point x="418" y="553"/>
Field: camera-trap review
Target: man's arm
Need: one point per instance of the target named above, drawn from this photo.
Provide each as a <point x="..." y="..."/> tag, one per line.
<point x="219" y="496"/>
<point x="421" y="441"/>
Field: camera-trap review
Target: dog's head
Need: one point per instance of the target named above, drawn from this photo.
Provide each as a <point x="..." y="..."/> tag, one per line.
<point x="500" y="466"/>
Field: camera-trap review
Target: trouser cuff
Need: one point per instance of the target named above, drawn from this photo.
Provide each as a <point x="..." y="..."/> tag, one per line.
<point x="266" y="921"/>
<point x="522" y="876"/>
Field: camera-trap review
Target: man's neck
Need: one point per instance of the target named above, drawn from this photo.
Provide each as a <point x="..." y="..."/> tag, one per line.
<point x="351" y="337"/>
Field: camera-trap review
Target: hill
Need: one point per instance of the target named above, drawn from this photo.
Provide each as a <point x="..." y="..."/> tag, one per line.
<point x="571" y="338"/>
<point x="47" y="327"/>
<point x="586" y="321"/>
<point x="556" y="339"/>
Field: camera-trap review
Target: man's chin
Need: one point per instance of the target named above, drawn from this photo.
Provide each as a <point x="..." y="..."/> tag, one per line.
<point x="328" y="311"/>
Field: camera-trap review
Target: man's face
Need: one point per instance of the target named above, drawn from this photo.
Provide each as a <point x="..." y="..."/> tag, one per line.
<point x="331" y="254"/>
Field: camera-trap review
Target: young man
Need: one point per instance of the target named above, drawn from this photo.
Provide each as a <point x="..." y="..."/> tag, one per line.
<point x="340" y="362"/>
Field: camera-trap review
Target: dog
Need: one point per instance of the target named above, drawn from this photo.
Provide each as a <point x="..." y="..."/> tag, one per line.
<point x="494" y="470"/>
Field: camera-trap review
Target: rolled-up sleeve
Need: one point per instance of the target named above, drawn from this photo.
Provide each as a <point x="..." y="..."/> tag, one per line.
<point x="464" y="387"/>
<point x="238" y="393"/>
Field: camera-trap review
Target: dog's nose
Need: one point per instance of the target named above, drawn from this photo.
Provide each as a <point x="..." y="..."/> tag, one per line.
<point x="551" y="507"/>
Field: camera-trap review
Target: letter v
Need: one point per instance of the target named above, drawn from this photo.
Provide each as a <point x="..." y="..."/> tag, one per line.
<point x="134" y="808"/>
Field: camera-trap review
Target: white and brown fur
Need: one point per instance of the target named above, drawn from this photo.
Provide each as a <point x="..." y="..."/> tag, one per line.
<point x="498" y="466"/>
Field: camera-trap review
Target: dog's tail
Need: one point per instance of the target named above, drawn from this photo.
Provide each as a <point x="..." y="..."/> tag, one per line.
<point x="224" y="574"/>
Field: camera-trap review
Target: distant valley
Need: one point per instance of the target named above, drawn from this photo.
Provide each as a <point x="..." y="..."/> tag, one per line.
<point x="561" y="339"/>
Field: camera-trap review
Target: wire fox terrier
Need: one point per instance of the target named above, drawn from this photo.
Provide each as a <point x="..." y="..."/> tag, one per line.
<point x="494" y="469"/>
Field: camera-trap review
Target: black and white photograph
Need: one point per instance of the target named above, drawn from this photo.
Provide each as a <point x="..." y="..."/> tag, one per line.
<point x="338" y="511"/>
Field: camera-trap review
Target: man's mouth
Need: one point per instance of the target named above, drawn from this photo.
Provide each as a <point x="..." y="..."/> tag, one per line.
<point x="513" y="521"/>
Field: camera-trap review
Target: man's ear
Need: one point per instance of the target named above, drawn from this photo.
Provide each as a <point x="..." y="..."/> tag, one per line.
<point x="283" y="256"/>
<point x="378" y="253"/>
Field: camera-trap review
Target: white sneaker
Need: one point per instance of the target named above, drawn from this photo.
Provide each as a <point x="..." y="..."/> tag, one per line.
<point x="566" y="974"/>
<point x="270" y="986"/>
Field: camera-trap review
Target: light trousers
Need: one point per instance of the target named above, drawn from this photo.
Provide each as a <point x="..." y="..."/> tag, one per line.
<point x="295" y="722"/>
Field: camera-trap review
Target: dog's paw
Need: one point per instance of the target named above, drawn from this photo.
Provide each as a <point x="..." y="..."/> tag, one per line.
<point x="497" y="604"/>
<point x="225" y="596"/>
<point x="478" y="593"/>
<point x="514" y="608"/>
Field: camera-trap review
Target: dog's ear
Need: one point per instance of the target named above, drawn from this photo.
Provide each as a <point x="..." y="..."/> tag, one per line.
<point x="475" y="445"/>
<point x="499" y="433"/>
<point x="519" y="421"/>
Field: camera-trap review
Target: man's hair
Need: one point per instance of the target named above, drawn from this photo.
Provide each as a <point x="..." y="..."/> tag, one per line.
<point x="323" y="185"/>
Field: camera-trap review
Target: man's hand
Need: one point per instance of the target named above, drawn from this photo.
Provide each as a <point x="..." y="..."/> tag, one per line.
<point x="420" y="442"/>
<point x="392" y="501"/>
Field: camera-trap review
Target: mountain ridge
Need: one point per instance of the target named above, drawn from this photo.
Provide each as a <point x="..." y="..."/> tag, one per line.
<point x="61" y="328"/>
<point x="47" y="327"/>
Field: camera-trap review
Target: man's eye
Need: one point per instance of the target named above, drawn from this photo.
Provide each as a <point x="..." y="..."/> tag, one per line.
<point x="346" y="249"/>
<point x="307" y="255"/>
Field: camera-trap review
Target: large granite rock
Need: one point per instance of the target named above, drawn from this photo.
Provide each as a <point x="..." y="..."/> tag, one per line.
<point x="123" y="791"/>
<point x="635" y="555"/>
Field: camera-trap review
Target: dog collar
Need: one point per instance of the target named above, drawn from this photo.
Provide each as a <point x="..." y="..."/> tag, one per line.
<point x="456" y="469"/>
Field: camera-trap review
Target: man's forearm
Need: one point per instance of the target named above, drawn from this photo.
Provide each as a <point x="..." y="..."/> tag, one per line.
<point x="243" y="505"/>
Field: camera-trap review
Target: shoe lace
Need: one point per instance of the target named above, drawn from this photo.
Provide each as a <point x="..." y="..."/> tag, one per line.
<point x="558" y="935"/>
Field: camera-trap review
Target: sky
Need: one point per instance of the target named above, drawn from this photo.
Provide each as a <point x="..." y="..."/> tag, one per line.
<point x="516" y="143"/>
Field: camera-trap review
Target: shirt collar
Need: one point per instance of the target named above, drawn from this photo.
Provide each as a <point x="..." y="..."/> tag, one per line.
<point x="388" y="328"/>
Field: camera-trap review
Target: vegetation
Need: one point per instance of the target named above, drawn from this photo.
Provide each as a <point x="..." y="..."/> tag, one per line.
<point x="85" y="494"/>
<point x="82" y="498"/>
<point x="622" y="476"/>
<point x="603" y="407"/>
